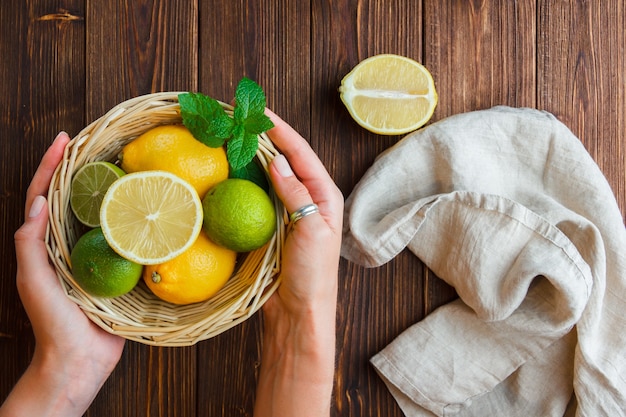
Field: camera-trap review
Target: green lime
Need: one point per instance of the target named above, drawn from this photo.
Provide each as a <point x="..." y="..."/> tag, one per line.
<point x="89" y="185"/>
<point x="99" y="270"/>
<point x="239" y="215"/>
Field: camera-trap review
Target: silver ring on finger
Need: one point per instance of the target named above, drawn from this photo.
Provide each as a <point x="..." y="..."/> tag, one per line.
<point x="302" y="212"/>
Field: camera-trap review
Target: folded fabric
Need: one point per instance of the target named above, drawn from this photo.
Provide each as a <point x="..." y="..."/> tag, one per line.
<point x="507" y="206"/>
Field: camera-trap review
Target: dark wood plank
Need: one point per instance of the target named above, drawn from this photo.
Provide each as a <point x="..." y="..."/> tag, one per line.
<point x="481" y="54"/>
<point x="267" y="41"/>
<point x="69" y="64"/>
<point x="42" y="75"/>
<point x="582" y="79"/>
<point x="228" y="366"/>
<point x="135" y="48"/>
<point x="376" y="304"/>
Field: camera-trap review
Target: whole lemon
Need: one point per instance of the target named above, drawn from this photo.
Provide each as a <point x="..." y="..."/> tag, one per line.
<point x="195" y="275"/>
<point x="173" y="148"/>
<point x="239" y="215"/>
<point x="99" y="270"/>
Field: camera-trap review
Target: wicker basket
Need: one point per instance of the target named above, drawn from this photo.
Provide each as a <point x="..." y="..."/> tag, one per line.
<point x="139" y="315"/>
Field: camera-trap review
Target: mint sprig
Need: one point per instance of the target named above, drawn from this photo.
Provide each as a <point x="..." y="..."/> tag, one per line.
<point x="209" y="123"/>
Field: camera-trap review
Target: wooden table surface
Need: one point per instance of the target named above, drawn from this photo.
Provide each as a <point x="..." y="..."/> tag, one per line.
<point x="66" y="62"/>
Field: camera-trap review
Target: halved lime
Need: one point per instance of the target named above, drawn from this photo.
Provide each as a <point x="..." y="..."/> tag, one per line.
<point x="89" y="185"/>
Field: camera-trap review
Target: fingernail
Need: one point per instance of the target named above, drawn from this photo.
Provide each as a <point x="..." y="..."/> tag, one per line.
<point x="282" y="166"/>
<point x="37" y="205"/>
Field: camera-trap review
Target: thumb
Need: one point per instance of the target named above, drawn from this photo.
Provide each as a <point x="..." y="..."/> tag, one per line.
<point x="30" y="249"/>
<point x="29" y="239"/>
<point x="34" y="228"/>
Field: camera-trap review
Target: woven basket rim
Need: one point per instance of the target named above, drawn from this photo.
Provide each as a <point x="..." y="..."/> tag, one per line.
<point x="139" y="315"/>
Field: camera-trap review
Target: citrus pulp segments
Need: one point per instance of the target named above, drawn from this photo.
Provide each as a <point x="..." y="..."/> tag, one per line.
<point x="150" y="217"/>
<point x="389" y="94"/>
<point x="88" y="187"/>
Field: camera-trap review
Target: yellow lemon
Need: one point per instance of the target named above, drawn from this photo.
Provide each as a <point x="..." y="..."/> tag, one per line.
<point x="389" y="94"/>
<point x="150" y="217"/>
<point x="195" y="275"/>
<point x="173" y="148"/>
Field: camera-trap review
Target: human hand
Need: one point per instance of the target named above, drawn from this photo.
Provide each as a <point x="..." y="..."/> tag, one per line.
<point x="297" y="368"/>
<point x="73" y="357"/>
<point x="311" y="252"/>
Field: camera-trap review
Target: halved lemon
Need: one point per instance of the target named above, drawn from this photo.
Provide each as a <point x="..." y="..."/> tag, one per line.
<point x="389" y="94"/>
<point x="151" y="217"/>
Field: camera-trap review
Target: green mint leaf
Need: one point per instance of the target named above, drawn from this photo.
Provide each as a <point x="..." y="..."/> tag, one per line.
<point x="205" y="118"/>
<point x="210" y="124"/>
<point x="257" y="123"/>
<point x="222" y="126"/>
<point x="250" y="107"/>
<point x="249" y="100"/>
<point x="241" y="148"/>
<point x="252" y="172"/>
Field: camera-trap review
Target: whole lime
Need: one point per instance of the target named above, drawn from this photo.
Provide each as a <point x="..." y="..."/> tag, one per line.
<point x="239" y="215"/>
<point x="99" y="270"/>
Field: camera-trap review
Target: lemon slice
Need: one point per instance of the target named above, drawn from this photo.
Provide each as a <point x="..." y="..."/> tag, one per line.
<point x="151" y="217"/>
<point x="89" y="184"/>
<point x="389" y="94"/>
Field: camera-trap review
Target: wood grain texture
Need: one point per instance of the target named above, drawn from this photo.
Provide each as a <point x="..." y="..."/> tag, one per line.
<point x="581" y="79"/>
<point x="227" y="372"/>
<point x="374" y="304"/>
<point x="136" y="48"/>
<point x="481" y="53"/>
<point x="69" y="61"/>
<point x="271" y="44"/>
<point x="41" y="94"/>
<point x="268" y="41"/>
<point x="139" y="47"/>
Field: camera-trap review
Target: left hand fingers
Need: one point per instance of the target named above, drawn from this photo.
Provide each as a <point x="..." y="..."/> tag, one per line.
<point x="51" y="159"/>
<point x="33" y="270"/>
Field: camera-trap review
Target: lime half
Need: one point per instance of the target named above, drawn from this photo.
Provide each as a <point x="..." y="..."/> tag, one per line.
<point x="89" y="185"/>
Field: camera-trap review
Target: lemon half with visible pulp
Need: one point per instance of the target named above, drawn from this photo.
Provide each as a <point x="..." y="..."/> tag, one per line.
<point x="389" y="94"/>
<point x="150" y="217"/>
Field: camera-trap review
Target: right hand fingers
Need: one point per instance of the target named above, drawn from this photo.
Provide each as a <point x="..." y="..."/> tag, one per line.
<point x="312" y="177"/>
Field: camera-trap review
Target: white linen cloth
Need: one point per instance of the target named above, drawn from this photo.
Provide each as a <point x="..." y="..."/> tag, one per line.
<point x="507" y="206"/>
